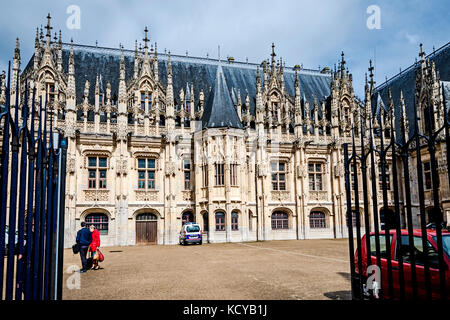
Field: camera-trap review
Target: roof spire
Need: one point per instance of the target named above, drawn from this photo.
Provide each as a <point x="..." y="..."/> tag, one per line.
<point x="342" y="63"/>
<point x="371" y="68"/>
<point x="36" y="40"/>
<point x="49" y="29"/>
<point x="422" y="54"/>
<point x="146" y="40"/>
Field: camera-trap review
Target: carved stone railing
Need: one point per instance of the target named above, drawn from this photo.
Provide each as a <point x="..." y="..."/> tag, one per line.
<point x="96" y="195"/>
<point x="146" y="195"/>
<point x="321" y="195"/>
<point x="281" y="195"/>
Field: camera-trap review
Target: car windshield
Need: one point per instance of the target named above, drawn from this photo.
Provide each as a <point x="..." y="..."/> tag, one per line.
<point x="445" y="244"/>
<point x="192" y="228"/>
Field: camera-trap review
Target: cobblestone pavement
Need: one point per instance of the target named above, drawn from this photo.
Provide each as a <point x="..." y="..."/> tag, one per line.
<point x="294" y="269"/>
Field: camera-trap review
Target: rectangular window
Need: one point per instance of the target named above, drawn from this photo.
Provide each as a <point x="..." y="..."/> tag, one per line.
<point x="97" y="167"/>
<point x="233" y="174"/>
<point x="234" y="221"/>
<point x="427" y="176"/>
<point x="278" y="176"/>
<point x="205" y="175"/>
<point x="146" y="173"/>
<point x="219" y="174"/>
<point x="315" y="176"/>
<point x="388" y="176"/>
<point x="187" y="174"/>
<point x="352" y="177"/>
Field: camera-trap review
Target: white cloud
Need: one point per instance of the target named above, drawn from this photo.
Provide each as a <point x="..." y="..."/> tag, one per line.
<point x="412" y="38"/>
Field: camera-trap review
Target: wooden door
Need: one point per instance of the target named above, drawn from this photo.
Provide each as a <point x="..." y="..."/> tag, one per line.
<point x="146" y="232"/>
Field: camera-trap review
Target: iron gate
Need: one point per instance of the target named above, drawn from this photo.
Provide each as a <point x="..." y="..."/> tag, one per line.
<point x="32" y="184"/>
<point x="406" y="272"/>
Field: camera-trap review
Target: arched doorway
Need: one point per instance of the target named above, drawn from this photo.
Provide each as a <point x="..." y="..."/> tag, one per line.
<point x="146" y="229"/>
<point x="187" y="216"/>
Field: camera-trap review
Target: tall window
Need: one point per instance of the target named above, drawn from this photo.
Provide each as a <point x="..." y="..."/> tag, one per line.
<point x="280" y="220"/>
<point x="317" y="220"/>
<point x="233" y="174"/>
<point x="352" y="176"/>
<point x="220" y="221"/>
<point x="278" y="176"/>
<point x="219" y="174"/>
<point x="145" y="97"/>
<point x="315" y="176"/>
<point x="97" y="167"/>
<point x="427" y="175"/>
<point x="234" y="221"/>
<point x="51" y="94"/>
<point x="187" y="174"/>
<point x="146" y="173"/>
<point x="205" y="175"/>
<point x="100" y="222"/>
<point x="388" y="176"/>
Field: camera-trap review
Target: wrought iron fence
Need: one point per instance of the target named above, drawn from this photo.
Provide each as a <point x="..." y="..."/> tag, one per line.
<point x="406" y="262"/>
<point x="32" y="184"/>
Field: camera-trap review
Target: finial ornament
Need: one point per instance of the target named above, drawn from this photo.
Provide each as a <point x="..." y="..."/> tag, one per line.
<point x="146" y="40"/>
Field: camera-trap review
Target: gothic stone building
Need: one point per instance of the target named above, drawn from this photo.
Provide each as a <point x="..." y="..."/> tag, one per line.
<point x="249" y="151"/>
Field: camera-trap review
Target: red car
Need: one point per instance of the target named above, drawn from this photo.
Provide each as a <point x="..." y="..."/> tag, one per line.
<point x="405" y="251"/>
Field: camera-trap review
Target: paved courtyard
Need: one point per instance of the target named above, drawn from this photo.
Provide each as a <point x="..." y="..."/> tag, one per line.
<point x="294" y="269"/>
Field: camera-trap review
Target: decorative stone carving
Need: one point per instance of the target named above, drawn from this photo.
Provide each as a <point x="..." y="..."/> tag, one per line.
<point x="187" y="195"/>
<point x="318" y="195"/>
<point x="147" y="195"/>
<point x="71" y="164"/>
<point x="339" y="170"/>
<point x="170" y="168"/>
<point x="122" y="166"/>
<point x="96" y="195"/>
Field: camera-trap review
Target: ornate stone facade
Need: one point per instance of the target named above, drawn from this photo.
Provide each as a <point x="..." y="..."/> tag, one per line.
<point x="188" y="138"/>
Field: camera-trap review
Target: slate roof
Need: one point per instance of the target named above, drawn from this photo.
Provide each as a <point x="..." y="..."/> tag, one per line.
<point x="405" y="82"/>
<point x="90" y="61"/>
<point x="219" y="108"/>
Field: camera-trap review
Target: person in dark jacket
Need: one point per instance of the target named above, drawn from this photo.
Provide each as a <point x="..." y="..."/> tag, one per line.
<point x="84" y="238"/>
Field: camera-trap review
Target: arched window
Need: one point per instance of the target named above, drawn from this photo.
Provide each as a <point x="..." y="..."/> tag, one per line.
<point x="187" y="217"/>
<point x="100" y="222"/>
<point x="317" y="220"/>
<point x="220" y="221"/>
<point x="147" y="216"/>
<point x="234" y="221"/>
<point x="280" y="220"/>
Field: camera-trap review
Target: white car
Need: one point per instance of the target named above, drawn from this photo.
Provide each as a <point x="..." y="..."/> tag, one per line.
<point x="190" y="233"/>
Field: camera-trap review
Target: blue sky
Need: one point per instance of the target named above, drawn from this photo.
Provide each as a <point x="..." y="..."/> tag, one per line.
<point x="312" y="33"/>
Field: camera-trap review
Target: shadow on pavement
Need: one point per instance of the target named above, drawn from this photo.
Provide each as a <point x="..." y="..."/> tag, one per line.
<point x="339" y="295"/>
<point x="345" y="275"/>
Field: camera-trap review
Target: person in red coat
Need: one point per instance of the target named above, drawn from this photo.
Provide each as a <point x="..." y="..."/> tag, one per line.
<point x="94" y="245"/>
